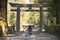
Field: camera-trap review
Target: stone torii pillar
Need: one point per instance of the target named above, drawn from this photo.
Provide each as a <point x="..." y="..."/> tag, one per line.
<point x="18" y="19"/>
<point x="42" y="23"/>
<point x="18" y="16"/>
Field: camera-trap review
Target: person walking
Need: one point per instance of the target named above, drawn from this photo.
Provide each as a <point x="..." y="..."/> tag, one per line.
<point x="29" y="30"/>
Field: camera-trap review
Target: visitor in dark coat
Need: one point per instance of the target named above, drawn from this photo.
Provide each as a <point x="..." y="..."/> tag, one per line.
<point x="30" y="30"/>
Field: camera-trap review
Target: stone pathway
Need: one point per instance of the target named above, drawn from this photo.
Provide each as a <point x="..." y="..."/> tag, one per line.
<point x="23" y="36"/>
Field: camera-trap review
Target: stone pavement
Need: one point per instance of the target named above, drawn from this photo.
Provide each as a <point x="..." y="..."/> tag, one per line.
<point x="40" y="36"/>
<point x="25" y="36"/>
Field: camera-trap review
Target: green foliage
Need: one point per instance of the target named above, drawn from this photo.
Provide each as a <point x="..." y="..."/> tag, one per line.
<point x="40" y="1"/>
<point x="12" y="22"/>
<point x="36" y="1"/>
<point x="34" y="18"/>
<point x="54" y="9"/>
<point x="31" y="18"/>
<point x="3" y="10"/>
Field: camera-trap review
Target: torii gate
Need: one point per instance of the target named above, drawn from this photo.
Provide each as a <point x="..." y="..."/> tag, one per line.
<point x="18" y="10"/>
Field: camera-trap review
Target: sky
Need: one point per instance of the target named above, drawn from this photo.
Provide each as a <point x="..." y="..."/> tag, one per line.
<point x="28" y="1"/>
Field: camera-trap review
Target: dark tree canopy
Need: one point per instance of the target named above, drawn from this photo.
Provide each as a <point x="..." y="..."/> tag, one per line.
<point x="3" y="9"/>
<point x="54" y="9"/>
